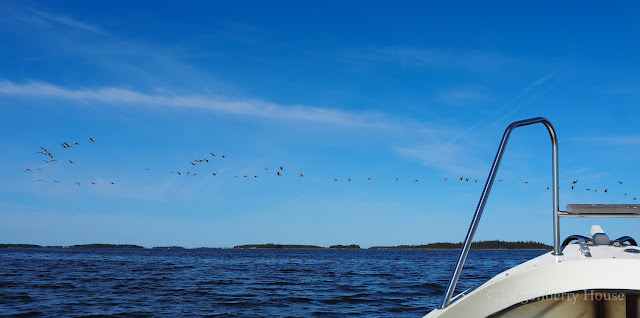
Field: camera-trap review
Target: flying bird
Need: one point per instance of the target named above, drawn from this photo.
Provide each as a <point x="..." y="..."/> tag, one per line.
<point x="606" y="190"/>
<point x="396" y="179"/>
<point x="500" y="180"/>
<point x="475" y="181"/>
<point x="620" y="182"/>
<point x="526" y="182"/>
<point x="546" y="188"/>
<point x="573" y="187"/>
<point x="278" y="173"/>
<point x="334" y="180"/>
<point x="215" y="173"/>
<point x="40" y="169"/>
<point x="368" y="179"/>
<point x="76" y="143"/>
<point x="112" y="182"/>
<point x="445" y="179"/>
<point x="588" y="189"/>
<point x="416" y="180"/>
<point x="56" y="181"/>
<point x="39" y="180"/>
<point x="266" y="168"/>
<point x="148" y="169"/>
<point x="574" y="181"/>
<point x="78" y="183"/>
<point x="224" y="156"/>
<point x="300" y="175"/>
<point x="70" y="161"/>
<point x="461" y="178"/>
<point x="255" y="177"/>
<point x="281" y="167"/>
<point x="467" y="179"/>
<point x="25" y="170"/>
<point x="625" y="193"/>
<point x="348" y="179"/>
<point x="92" y="140"/>
<point x="93" y="182"/>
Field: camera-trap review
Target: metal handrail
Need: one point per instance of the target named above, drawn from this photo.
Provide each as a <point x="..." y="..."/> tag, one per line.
<point x="485" y="194"/>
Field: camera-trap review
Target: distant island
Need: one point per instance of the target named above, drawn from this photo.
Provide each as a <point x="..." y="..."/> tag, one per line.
<point x="480" y="245"/>
<point x="106" y="246"/>
<point x="294" y="246"/>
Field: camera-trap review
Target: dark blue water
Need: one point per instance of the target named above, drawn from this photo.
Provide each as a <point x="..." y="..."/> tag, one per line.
<point x="235" y="283"/>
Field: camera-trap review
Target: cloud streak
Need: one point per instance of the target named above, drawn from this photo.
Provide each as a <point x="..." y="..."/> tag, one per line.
<point x="241" y="107"/>
<point x="69" y="22"/>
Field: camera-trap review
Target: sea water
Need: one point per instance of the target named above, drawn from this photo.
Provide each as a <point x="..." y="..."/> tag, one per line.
<point x="63" y="282"/>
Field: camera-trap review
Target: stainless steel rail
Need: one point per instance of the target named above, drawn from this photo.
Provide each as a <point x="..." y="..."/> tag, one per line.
<point x="485" y="194"/>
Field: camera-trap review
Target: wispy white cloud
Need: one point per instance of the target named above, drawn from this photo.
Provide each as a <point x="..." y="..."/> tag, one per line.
<point x="69" y="22"/>
<point x="614" y="140"/>
<point x="463" y="96"/>
<point x="514" y="104"/>
<point x="244" y="107"/>
<point x="431" y="57"/>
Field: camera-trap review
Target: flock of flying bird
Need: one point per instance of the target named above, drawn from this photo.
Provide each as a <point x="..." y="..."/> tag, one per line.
<point x="51" y="159"/>
<point x="278" y="171"/>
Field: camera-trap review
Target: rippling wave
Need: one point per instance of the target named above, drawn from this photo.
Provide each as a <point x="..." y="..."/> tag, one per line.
<point x="235" y="283"/>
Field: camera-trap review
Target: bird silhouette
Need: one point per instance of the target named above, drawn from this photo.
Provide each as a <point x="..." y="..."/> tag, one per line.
<point x="194" y="174"/>
<point x="76" y="143"/>
<point x="445" y="179"/>
<point x="25" y="170"/>
<point x="50" y="161"/>
<point x="625" y="193"/>
<point x="461" y="178"/>
<point x="574" y="181"/>
<point x="500" y="180"/>
<point x="215" y="173"/>
<point x="92" y="140"/>
<point x="396" y="179"/>
<point x="71" y="161"/>
<point x="634" y="199"/>
<point x="266" y="168"/>
<point x="573" y="187"/>
<point x="224" y="156"/>
<point x="526" y="182"/>
<point x="255" y="177"/>
<point x="300" y="175"/>
<point x="56" y="181"/>
<point x="348" y="179"/>
<point x="78" y="183"/>
<point x="281" y="167"/>
<point x="112" y="182"/>
<point x="416" y="180"/>
<point x="192" y="163"/>
<point x="620" y="182"/>
<point x="546" y="188"/>
<point x="278" y="173"/>
<point x="368" y="179"/>
<point x="148" y="169"/>
<point x="93" y="182"/>
<point x="606" y="190"/>
<point x="40" y="169"/>
<point x="475" y="181"/>
<point x="588" y="189"/>
<point x="467" y="179"/>
<point x="39" y="180"/>
<point x="334" y="180"/>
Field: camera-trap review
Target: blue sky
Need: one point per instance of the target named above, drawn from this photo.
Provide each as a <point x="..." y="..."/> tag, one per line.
<point x="332" y="90"/>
